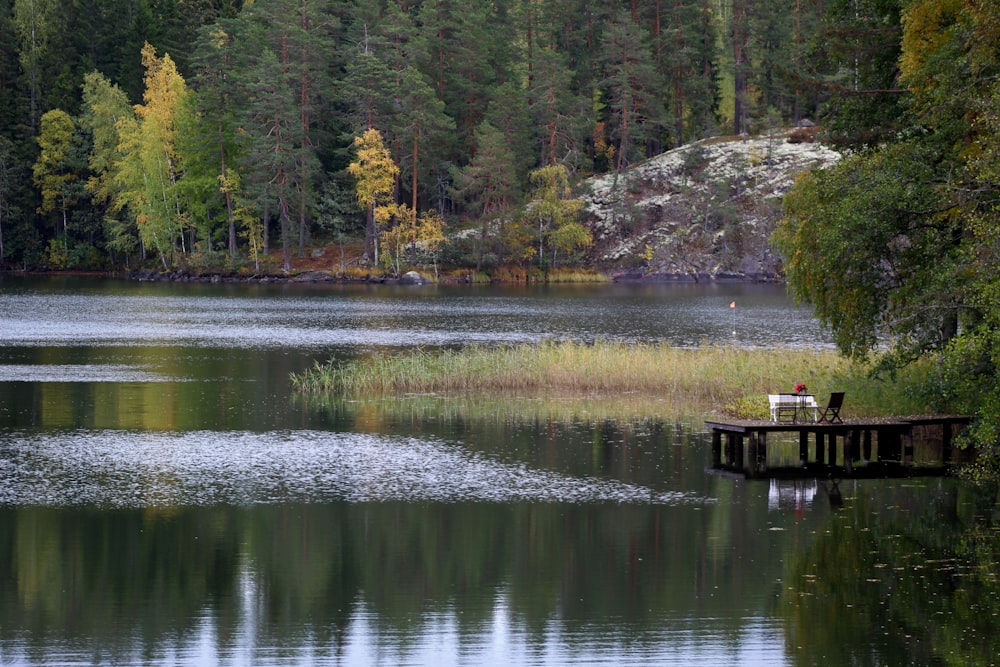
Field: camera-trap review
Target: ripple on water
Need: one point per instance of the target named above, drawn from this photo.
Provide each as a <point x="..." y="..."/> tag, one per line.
<point x="140" y="469"/>
<point x="78" y="373"/>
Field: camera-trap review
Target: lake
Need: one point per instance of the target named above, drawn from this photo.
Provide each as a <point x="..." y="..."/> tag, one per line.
<point x="166" y="499"/>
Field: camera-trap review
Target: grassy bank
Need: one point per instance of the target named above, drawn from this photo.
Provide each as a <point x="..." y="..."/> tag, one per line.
<point x="706" y="379"/>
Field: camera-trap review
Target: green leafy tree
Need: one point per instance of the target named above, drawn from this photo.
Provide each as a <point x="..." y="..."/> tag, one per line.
<point x="557" y="214"/>
<point x="896" y="246"/>
<point x="105" y="105"/>
<point x="57" y="170"/>
<point x="872" y="244"/>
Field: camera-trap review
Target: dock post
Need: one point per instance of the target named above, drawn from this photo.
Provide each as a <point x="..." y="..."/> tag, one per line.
<point x="738" y="451"/>
<point x="831" y="459"/>
<point x="803" y="447"/>
<point x="946" y="443"/>
<point x="908" y="447"/>
<point x="888" y="445"/>
<point x="760" y="460"/>
<point x="867" y="446"/>
<point x="849" y="440"/>
<point x="716" y="448"/>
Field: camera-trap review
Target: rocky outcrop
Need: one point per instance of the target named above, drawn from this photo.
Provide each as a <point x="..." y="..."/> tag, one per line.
<point x="704" y="210"/>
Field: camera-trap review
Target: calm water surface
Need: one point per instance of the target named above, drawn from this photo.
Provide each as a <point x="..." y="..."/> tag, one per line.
<point x="166" y="500"/>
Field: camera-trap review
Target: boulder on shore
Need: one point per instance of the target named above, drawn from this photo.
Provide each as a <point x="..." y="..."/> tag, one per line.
<point x="412" y="278"/>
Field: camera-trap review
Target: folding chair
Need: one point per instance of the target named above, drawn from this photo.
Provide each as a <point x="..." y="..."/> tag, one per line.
<point x="831" y="413"/>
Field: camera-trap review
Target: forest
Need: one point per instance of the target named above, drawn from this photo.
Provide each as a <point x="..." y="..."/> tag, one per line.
<point x="220" y="134"/>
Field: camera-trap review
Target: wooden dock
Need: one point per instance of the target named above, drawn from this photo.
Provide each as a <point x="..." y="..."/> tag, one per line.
<point x="878" y="447"/>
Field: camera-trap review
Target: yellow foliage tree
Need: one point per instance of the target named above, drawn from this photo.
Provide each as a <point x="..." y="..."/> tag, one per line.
<point x="375" y="176"/>
<point x="150" y="164"/>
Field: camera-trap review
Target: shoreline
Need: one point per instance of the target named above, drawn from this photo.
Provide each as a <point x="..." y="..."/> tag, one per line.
<point x="409" y="278"/>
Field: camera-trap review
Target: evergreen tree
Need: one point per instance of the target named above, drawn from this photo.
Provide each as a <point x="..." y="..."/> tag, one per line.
<point x="301" y="34"/>
<point x="489" y="187"/>
<point x="270" y="159"/>
<point x="632" y="88"/>
<point x="558" y="111"/>
<point x="37" y="24"/>
<point x="8" y="211"/>
<point x="220" y="103"/>
<point x="684" y="41"/>
<point x="861" y="47"/>
<point x="468" y="53"/>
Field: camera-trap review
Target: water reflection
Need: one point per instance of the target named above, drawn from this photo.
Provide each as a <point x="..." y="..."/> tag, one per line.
<point x="384" y="583"/>
<point x="505" y="583"/>
<point x="165" y="500"/>
<point x="905" y="574"/>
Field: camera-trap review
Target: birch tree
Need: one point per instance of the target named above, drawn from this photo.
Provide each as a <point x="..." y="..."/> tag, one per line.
<point x="375" y="176"/>
<point x="105" y="105"/>
<point x="54" y="172"/>
<point x="150" y="165"/>
<point x="557" y="214"/>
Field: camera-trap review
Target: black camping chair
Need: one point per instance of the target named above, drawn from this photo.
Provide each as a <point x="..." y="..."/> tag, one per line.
<point x="831" y="413"/>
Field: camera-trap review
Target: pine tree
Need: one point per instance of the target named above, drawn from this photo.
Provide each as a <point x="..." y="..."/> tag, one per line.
<point x="37" y="25"/>
<point x="270" y="162"/>
<point x="489" y="187"/>
<point x="301" y="35"/>
<point x="558" y="111"/>
<point x="633" y="87"/>
<point x="220" y="60"/>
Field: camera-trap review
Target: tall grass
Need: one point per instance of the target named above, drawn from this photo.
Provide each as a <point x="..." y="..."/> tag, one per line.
<point x="713" y="377"/>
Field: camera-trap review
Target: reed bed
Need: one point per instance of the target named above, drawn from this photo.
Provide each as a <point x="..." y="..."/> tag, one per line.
<point x="714" y="377"/>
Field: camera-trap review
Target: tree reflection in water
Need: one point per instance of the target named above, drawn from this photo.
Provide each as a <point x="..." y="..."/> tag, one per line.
<point x="898" y="577"/>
